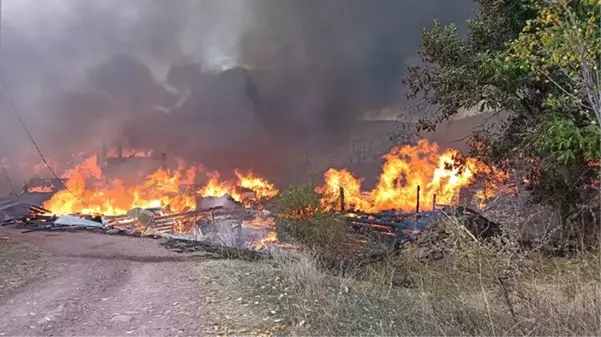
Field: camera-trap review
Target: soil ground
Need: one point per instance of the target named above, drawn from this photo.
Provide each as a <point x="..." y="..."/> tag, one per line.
<point x="94" y="284"/>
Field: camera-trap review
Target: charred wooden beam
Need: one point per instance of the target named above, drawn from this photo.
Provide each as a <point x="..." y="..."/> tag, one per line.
<point x="417" y="204"/>
<point x="225" y="251"/>
<point x="342" y="206"/>
<point x="394" y="225"/>
<point x="382" y="229"/>
<point x="384" y="214"/>
<point x="38" y="209"/>
<point x="190" y="213"/>
<point x="116" y="217"/>
<point x="179" y="218"/>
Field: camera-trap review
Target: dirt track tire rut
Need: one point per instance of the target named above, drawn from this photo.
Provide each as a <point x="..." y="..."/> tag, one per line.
<point x="105" y="285"/>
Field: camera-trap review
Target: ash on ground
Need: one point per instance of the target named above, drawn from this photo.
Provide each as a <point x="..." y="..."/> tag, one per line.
<point x="235" y="226"/>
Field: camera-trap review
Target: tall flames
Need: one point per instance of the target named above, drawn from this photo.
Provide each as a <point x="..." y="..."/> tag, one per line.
<point x="438" y="175"/>
<point x="261" y="188"/>
<point x="89" y="192"/>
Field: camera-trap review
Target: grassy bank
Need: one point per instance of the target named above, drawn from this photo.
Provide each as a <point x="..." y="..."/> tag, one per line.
<point x="479" y="294"/>
<point x="236" y="302"/>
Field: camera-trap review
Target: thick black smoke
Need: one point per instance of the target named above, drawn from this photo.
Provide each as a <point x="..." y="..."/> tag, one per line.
<point x="231" y="83"/>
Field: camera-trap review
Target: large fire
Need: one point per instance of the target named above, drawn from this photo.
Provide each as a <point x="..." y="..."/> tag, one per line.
<point x="438" y="176"/>
<point x="89" y="192"/>
<point x="215" y="187"/>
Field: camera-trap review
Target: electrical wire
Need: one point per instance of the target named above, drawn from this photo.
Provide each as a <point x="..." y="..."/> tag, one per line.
<point x="40" y="152"/>
<point x="12" y="187"/>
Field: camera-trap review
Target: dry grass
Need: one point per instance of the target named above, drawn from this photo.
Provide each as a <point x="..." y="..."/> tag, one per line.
<point x="235" y="303"/>
<point x="479" y="288"/>
<point x="19" y="264"/>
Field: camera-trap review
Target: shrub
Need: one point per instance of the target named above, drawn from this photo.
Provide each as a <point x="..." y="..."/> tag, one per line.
<point x="302" y="219"/>
<point x="299" y="201"/>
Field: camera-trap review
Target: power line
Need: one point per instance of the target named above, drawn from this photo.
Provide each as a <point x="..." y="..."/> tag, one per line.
<point x="40" y="152"/>
<point x="12" y="187"/>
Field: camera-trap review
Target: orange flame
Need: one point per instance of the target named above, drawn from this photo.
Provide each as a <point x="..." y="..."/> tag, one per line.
<point x="88" y="193"/>
<point x="352" y="189"/>
<point x="40" y="189"/>
<point x="270" y="239"/>
<point x="262" y="188"/>
<point x="405" y="169"/>
<point x="215" y="187"/>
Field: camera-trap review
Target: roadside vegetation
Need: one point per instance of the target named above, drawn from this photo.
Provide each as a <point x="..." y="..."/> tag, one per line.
<point x="478" y="287"/>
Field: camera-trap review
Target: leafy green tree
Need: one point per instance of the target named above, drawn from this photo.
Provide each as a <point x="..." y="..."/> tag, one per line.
<point x="563" y="45"/>
<point x="537" y="61"/>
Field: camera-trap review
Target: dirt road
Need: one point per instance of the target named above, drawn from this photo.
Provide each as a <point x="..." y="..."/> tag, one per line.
<point x="104" y="285"/>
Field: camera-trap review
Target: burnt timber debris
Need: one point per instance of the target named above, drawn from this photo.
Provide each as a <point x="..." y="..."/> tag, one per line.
<point x="189" y="232"/>
<point x="188" y="246"/>
<point x="403" y="227"/>
<point x="184" y="232"/>
<point x="39" y="218"/>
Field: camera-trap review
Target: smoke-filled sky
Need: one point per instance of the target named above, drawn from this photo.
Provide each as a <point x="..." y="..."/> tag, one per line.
<point x="221" y="79"/>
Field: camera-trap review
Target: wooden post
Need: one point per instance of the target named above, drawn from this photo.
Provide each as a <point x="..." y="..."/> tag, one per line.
<point x="342" y="199"/>
<point x="485" y="196"/>
<point x="212" y="216"/>
<point x="417" y="204"/>
<point x="120" y="152"/>
<point x="434" y="203"/>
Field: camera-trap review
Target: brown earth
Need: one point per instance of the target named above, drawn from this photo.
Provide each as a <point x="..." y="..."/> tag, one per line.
<point x="105" y="285"/>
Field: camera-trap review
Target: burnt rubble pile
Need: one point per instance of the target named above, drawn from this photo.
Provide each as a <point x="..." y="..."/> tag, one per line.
<point x="512" y="206"/>
<point x="19" y="206"/>
<point x="425" y="229"/>
<point x="223" y="226"/>
<point x="12" y="211"/>
<point x="431" y="241"/>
